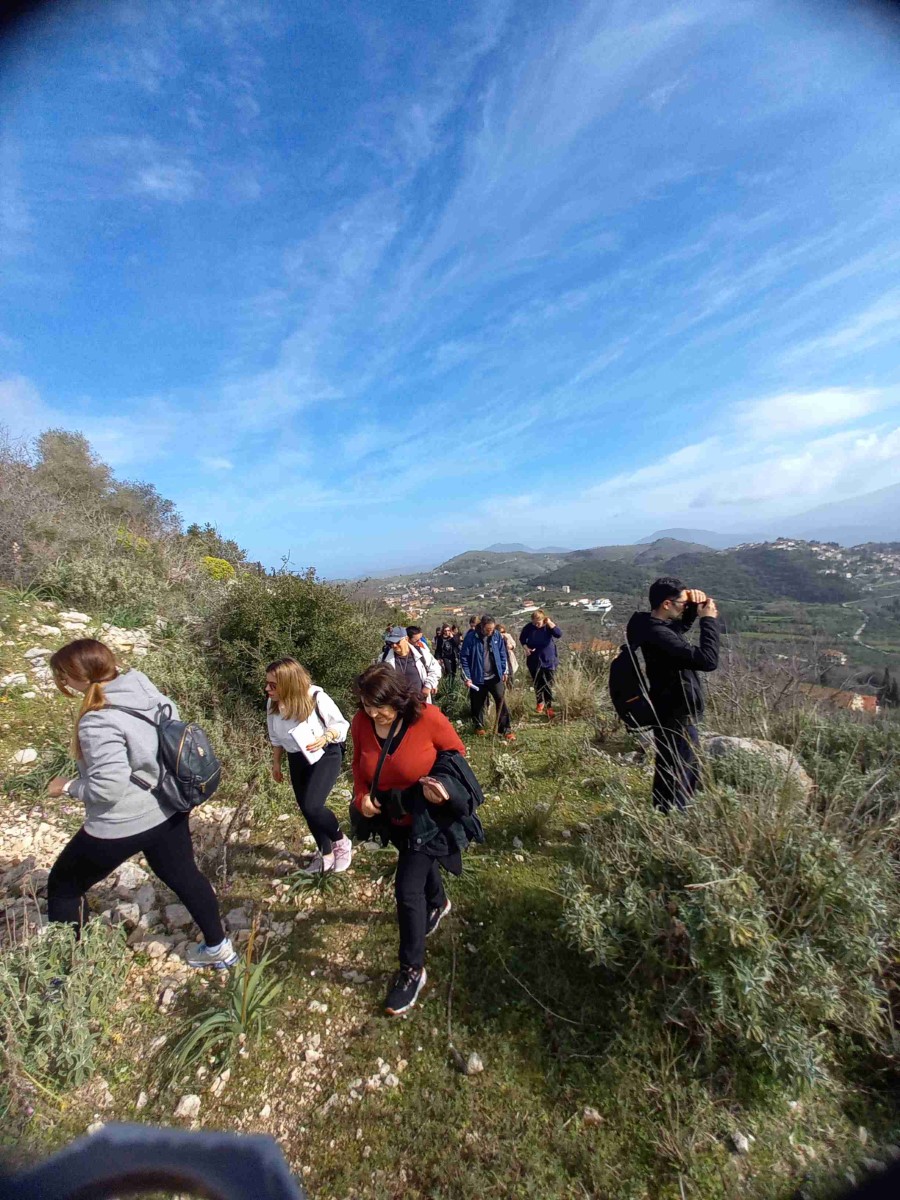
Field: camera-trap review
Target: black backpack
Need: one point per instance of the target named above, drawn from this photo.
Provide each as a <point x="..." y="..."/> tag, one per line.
<point x="628" y="690"/>
<point x="189" y="770"/>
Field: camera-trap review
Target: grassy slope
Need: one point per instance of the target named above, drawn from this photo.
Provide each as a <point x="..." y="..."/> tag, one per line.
<point x="502" y="983"/>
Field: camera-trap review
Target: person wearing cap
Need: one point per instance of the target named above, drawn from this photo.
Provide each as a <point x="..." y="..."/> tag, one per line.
<point x="414" y="661"/>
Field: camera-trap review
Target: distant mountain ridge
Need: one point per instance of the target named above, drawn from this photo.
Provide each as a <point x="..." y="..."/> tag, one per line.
<point x="871" y="517"/>
<point x="519" y="548"/>
<point x="704" y="537"/>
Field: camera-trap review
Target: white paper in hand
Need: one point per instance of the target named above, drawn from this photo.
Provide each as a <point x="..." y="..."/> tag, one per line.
<point x="303" y="735"/>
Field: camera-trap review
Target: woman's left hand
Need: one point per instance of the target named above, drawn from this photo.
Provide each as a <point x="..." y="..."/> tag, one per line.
<point x="56" y="785"/>
<point x="433" y="790"/>
<point x="319" y="743"/>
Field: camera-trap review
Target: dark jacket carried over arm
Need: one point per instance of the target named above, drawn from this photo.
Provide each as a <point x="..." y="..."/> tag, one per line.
<point x="673" y="662"/>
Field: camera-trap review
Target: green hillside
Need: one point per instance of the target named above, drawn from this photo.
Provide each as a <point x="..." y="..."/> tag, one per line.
<point x="748" y="573"/>
<point x="477" y="567"/>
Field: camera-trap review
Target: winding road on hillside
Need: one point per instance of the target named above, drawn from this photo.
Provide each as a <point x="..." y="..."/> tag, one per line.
<point x="857" y="637"/>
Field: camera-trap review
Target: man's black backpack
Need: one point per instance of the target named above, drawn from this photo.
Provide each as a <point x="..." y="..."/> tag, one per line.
<point x="189" y="770"/>
<point x="628" y="690"/>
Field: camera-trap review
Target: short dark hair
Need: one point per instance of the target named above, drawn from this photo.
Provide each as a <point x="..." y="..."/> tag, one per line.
<point x="383" y="685"/>
<point x="665" y="588"/>
<point x="412" y="630"/>
<point x="487" y="619"/>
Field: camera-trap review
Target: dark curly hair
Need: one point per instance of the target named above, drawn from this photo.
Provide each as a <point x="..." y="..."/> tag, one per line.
<point x="381" y="685"/>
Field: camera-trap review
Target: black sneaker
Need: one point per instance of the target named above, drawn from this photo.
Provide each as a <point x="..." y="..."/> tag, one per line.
<point x="408" y="982"/>
<point x="435" y="916"/>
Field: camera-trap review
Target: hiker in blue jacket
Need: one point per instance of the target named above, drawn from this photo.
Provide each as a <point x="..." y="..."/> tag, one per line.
<point x="485" y="669"/>
<point x="539" y="637"/>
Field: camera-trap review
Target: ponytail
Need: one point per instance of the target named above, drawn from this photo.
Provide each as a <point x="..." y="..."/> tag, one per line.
<point x="84" y="661"/>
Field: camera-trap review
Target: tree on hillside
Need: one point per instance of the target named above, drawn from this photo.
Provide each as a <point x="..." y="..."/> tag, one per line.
<point x="67" y="466"/>
<point x="140" y="505"/>
<point x="206" y="540"/>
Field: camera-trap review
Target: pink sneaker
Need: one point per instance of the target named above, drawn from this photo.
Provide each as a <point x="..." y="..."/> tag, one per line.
<point x="343" y="854"/>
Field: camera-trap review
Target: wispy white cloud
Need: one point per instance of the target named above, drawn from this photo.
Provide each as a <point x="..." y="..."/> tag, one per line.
<point x="873" y="326"/>
<point x="217" y="463"/>
<point x="800" y="412"/>
<point x="167" y="181"/>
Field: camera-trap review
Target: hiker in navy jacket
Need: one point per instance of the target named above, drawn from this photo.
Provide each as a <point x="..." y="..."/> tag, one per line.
<point x="484" y="667"/>
<point x="675" y="690"/>
<point x="539" y="637"/>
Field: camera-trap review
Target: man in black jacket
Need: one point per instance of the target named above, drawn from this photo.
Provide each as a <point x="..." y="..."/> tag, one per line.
<point x="675" y="689"/>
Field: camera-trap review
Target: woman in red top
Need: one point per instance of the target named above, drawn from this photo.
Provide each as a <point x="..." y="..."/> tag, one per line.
<point x="393" y="717"/>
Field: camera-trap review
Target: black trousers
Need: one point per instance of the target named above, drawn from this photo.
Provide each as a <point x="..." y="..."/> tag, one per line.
<point x="677" y="772"/>
<point x="449" y="667"/>
<point x="477" y="700"/>
<point x="418" y="887"/>
<point x="543" y="680"/>
<point x="312" y="784"/>
<point x="169" y="852"/>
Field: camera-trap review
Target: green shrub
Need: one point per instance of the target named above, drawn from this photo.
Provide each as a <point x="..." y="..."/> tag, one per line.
<point x="103" y="584"/>
<point x="270" y="616"/>
<point x="740" y="921"/>
<point x="508" y="774"/>
<point x="56" y="999"/>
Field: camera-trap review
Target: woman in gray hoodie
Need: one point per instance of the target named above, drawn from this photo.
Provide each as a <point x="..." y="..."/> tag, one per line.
<point x="121" y="818"/>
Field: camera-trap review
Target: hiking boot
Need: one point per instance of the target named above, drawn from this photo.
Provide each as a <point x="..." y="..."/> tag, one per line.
<point x="509" y="737"/>
<point x="408" y="982"/>
<point x="550" y="714"/>
<point x="343" y="854"/>
<point x="481" y="733"/>
<point x="320" y="864"/>
<point x="220" y="957"/>
<point x="435" y="916"/>
<point x="540" y="707"/>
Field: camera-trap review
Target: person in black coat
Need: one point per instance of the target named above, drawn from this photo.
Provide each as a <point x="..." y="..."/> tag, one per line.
<point x="676" y="693"/>
<point x="446" y="651"/>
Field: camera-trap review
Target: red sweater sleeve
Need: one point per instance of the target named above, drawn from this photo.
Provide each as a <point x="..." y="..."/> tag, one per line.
<point x="359" y="726"/>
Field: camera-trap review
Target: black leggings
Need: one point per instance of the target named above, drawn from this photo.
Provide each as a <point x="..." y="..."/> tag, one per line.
<point x="169" y="852"/>
<point x="543" y="681"/>
<point x="418" y="888"/>
<point x="312" y="784"/>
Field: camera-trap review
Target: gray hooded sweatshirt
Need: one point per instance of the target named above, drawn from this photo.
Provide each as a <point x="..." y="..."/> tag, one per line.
<point x="115" y="745"/>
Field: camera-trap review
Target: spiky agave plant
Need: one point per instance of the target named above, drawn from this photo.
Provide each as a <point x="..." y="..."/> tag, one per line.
<point x="219" y="1031"/>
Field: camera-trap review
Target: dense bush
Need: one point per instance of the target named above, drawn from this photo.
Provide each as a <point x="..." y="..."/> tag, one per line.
<point x="217" y="568"/>
<point x="742" y="922"/>
<point x="270" y="616"/>
<point x="56" y="999"/>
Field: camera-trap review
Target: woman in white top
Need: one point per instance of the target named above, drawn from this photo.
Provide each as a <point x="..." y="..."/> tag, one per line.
<point x="305" y="723"/>
<point x="511" y="659"/>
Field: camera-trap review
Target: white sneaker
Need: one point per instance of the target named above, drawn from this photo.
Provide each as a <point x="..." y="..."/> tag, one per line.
<point x="343" y="854"/>
<point x="221" y="958"/>
<point x="321" y="864"/>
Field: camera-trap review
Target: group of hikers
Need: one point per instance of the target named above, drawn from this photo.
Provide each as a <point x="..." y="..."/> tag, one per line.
<point x="412" y="785"/>
<point x="486" y="660"/>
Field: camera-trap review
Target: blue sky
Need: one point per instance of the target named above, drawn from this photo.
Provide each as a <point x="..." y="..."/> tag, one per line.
<point x="370" y="284"/>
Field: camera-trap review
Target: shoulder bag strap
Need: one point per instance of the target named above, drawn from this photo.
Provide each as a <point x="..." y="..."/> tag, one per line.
<point x="385" y="750"/>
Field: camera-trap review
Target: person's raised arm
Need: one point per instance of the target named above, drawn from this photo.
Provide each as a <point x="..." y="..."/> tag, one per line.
<point x="704" y="657"/>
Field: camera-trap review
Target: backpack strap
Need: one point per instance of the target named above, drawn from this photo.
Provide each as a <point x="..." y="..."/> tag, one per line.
<point x="136" y="779"/>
